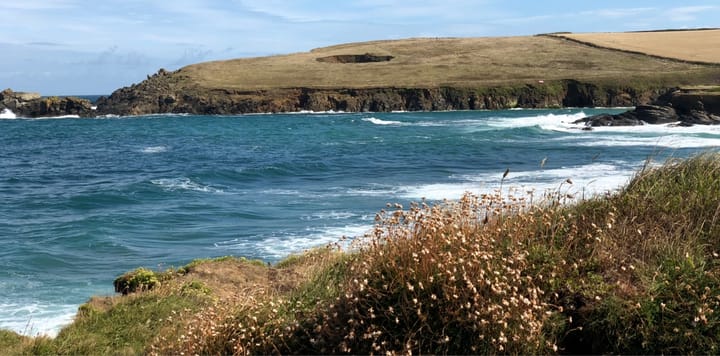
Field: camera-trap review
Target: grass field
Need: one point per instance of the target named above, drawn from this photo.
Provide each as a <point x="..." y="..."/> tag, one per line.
<point x="467" y="62"/>
<point x="694" y="46"/>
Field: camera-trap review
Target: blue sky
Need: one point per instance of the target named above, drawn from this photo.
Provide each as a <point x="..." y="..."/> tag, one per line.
<point x="77" y="47"/>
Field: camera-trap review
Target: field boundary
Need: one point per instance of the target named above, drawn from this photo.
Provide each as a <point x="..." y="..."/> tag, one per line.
<point x="560" y="35"/>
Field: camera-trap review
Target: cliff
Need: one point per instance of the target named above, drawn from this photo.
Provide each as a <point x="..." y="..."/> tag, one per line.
<point x="160" y="95"/>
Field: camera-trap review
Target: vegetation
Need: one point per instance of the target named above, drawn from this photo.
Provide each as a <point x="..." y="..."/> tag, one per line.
<point x="636" y="271"/>
<point x="469" y="63"/>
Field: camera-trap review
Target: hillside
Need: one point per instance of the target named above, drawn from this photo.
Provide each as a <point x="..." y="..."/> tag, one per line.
<point x="427" y="63"/>
<point x="423" y="74"/>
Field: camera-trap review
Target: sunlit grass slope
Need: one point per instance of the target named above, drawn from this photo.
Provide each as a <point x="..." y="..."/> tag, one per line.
<point x="632" y="272"/>
<point x="454" y="62"/>
<point x="694" y="46"/>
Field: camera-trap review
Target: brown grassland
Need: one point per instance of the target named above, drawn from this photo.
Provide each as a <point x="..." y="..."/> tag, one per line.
<point x="459" y="62"/>
<point x="693" y="46"/>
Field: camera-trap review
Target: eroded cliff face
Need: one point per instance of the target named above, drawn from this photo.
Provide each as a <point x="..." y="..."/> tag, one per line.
<point x="171" y="92"/>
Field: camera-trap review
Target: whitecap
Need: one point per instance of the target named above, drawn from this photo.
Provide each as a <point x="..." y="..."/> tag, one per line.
<point x="174" y="184"/>
<point x="669" y="141"/>
<point x="377" y="121"/>
<point x="587" y="180"/>
<point x="559" y="122"/>
<point x="373" y="190"/>
<point x="279" y="245"/>
<point x="154" y="149"/>
<point x="329" y="215"/>
<point x="312" y="112"/>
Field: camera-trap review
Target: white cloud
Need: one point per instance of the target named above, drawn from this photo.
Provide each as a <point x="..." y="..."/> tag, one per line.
<point x="690" y="13"/>
<point x="619" y="12"/>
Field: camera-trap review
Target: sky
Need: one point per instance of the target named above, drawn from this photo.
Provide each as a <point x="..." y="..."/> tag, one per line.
<point x="88" y="47"/>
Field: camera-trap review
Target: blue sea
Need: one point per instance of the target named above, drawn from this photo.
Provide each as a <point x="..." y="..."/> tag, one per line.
<point x="84" y="200"/>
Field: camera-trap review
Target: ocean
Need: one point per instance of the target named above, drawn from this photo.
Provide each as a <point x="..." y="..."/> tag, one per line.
<point x="84" y="200"/>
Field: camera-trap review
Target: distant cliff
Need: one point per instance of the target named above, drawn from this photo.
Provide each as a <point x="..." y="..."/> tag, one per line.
<point x="165" y="92"/>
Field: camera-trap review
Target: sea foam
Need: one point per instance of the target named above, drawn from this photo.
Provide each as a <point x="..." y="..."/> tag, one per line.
<point x="154" y="149"/>
<point x="278" y="245"/>
<point x="174" y="184"/>
<point x="7" y="114"/>
<point x="377" y="121"/>
<point x="587" y="180"/>
<point x="557" y="122"/>
<point x="36" y="318"/>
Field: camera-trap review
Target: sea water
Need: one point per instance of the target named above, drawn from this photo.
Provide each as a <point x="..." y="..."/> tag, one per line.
<point x="84" y="200"/>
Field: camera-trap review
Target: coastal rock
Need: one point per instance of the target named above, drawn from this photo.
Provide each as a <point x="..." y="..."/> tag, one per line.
<point x="609" y="120"/>
<point x="55" y="106"/>
<point x="33" y="105"/>
<point x="651" y="114"/>
<point x="698" y="108"/>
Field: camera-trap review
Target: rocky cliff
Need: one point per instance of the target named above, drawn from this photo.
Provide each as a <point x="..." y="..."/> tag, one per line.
<point x="33" y="105"/>
<point x="170" y="92"/>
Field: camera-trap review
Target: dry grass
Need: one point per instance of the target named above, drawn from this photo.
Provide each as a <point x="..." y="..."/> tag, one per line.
<point x="693" y="46"/>
<point x="436" y="62"/>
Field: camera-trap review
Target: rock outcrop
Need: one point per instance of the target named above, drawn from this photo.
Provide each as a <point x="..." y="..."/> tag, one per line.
<point x="33" y="105"/>
<point x="172" y="92"/>
<point x="685" y="107"/>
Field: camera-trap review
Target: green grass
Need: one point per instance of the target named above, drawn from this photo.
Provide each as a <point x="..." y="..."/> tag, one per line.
<point x="634" y="272"/>
<point x="198" y="261"/>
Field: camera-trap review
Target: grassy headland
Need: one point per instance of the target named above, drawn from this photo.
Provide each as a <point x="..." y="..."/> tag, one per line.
<point x="452" y="62"/>
<point x="430" y="74"/>
<point x="636" y="271"/>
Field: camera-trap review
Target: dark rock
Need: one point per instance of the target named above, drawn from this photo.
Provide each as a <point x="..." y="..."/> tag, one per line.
<point x="654" y="114"/>
<point x="695" y="117"/>
<point x="33" y="105"/>
<point x="624" y="119"/>
<point x="687" y="108"/>
<point x="55" y="106"/>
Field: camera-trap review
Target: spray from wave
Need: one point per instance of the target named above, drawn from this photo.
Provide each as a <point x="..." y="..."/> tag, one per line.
<point x="7" y="114"/>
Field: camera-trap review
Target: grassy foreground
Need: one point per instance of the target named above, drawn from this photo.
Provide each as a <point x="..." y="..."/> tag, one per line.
<point x="635" y="272"/>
